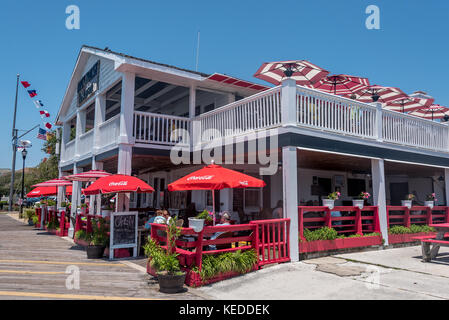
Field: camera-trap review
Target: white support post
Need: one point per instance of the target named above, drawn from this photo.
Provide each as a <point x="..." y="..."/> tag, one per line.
<point x="290" y="196"/>
<point x="127" y="108"/>
<point x="192" y="101"/>
<point x="379" y="194"/>
<point x="288" y="103"/>
<point x="100" y="115"/>
<point x="65" y="138"/>
<point x="379" y="124"/>
<point x="96" y="165"/>
<point x="446" y="185"/>
<point x="124" y="167"/>
<point x="76" y="200"/>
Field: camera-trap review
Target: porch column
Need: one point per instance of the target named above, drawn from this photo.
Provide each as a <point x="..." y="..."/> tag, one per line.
<point x="192" y="101"/>
<point x="96" y="165"/>
<point x="124" y="167"/>
<point x="100" y="115"/>
<point x="446" y="185"/>
<point x="379" y="122"/>
<point x="379" y="196"/>
<point x="288" y="103"/>
<point x="80" y="129"/>
<point x="290" y="197"/>
<point x="76" y="200"/>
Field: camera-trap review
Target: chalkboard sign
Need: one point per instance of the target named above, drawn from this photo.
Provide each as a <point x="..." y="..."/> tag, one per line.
<point x="124" y="229"/>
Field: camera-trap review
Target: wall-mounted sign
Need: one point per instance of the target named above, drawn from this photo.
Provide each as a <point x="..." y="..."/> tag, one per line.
<point x="88" y="83"/>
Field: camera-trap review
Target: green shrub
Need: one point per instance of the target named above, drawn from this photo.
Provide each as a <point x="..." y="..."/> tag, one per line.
<point x="237" y="261"/>
<point x="324" y="233"/>
<point x="29" y="213"/>
<point x="35" y="219"/>
<point x="204" y="215"/>
<point x="413" y="229"/>
<point x="81" y="235"/>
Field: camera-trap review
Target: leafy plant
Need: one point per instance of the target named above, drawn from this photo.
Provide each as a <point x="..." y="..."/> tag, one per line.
<point x="35" y="219"/>
<point x="206" y="215"/>
<point x="52" y="225"/>
<point x="324" y="233"/>
<point x="409" y="196"/>
<point x="363" y="195"/>
<point x="334" y="195"/>
<point x="81" y="235"/>
<point x="237" y="261"/>
<point x="413" y="229"/>
<point x="29" y="213"/>
<point x="99" y="236"/>
<point x="431" y="197"/>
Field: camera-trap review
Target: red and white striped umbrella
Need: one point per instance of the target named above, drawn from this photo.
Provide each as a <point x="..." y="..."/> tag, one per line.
<point x="91" y="175"/>
<point x="381" y="93"/>
<point x="407" y="104"/>
<point x="435" y="111"/>
<point x="302" y="71"/>
<point x="54" y="183"/>
<point x="340" y="84"/>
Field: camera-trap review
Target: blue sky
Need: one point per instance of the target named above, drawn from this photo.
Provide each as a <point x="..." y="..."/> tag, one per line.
<point x="409" y="51"/>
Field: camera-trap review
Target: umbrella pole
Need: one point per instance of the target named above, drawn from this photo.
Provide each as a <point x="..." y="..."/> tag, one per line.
<point x="213" y="204"/>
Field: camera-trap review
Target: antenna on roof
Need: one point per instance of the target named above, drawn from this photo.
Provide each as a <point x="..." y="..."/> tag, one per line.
<point x="197" y="51"/>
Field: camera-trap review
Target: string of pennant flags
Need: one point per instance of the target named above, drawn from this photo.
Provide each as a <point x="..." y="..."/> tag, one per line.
<point x="42" y="134"/>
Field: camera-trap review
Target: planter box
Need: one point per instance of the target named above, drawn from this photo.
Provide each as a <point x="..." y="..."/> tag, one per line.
<point x="328" y="245"/>
<point x="193" y="279"/>
<point x="407" y="237"/>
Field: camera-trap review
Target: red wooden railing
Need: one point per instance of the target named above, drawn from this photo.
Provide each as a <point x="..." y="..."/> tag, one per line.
<point x="403" y="216"/>
<point x="353" y="220"/>
<point x="272" y="240"/>
<point x="268" y="237"/>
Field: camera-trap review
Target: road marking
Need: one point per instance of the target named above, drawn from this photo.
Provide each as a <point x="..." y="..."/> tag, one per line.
<point x="31" y="272"/>
<point x="68" y="296"/>
<point x="135" y="266"/>
<point x="65" y="263"/>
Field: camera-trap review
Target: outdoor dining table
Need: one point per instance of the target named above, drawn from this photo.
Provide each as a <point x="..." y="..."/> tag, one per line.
<point x="440" y="240"/>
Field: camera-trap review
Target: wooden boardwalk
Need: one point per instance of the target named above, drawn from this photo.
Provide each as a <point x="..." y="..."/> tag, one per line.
<point x="33" y="265"/>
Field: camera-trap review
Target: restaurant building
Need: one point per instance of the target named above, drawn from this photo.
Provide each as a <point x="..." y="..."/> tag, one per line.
<point x="118" y="114"/>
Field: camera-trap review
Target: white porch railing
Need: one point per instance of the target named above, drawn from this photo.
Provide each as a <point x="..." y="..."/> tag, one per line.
<point x="158" y="128"/>
<point x="331" y="113"/>
<point x="69" y="150"/>
<point x="259" y="111"/>
<point x="413" y="131"/>
<point x="86" y="142"/>
<point x="109" y="131"/>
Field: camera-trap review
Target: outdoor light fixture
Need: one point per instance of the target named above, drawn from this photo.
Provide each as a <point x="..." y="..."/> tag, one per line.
<point x="24" y="155"/>
<point x="288" y="70"/>
<point x="446" y="118"/>
<point x="375" y="97"/>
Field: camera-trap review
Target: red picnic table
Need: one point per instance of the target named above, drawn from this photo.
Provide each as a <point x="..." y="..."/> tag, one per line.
<point x="436" y="242"/>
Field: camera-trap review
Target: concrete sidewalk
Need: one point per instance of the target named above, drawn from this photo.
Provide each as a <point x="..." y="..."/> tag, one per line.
<point x="385" y="274"/>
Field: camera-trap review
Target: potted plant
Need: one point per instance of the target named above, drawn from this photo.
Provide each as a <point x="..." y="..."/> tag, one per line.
<point x="197" y="223"/>
<point x="409" y="200"/>
<point x="98" y="239"/>
<point x="170" y="277"/>
<point x="107" y="209"/>
<point x="330" y="201"/>
<point x="360" y="201"/>
<point x="430" y="201"/>
<point x="29" y="213"/>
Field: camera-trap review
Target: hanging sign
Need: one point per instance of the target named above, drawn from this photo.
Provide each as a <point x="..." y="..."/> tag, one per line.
<point x="88" y="83"/>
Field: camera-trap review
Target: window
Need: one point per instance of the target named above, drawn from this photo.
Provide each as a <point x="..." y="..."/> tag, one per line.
<point x="355" y="186"/>
<point x="209" y="107"/>
<point x="252" y="197"/>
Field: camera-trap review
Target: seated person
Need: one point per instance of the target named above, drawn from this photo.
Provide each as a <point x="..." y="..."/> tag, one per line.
<point x="225" y="220"/>
<point x="166" y="216"/>
<point x="158" y="218"/>
<point x="235" y="217"/>
<point x="277" y="212"/>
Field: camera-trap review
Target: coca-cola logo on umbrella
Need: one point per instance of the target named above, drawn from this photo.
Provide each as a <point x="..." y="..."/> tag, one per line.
<point x="200" y="177"/>
<point x="120" y="183"/>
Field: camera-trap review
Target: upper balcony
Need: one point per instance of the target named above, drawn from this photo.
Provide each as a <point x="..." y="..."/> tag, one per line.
<point x="306" y="111"/>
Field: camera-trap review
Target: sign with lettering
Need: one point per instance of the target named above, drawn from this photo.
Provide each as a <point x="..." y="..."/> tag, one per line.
<point x="123" y="233"/>
<point x="88" y="83"/>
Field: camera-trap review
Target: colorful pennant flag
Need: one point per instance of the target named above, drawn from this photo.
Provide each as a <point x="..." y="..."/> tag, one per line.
<point x="44" y="113"/>
<point x="42" y="134"/>
<point x="32" y="93"/>
<point x="38" y="103"/>
<point x="25" y="84"/>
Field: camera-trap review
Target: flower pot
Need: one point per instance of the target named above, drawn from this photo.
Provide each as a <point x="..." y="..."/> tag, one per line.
<point x="95" y="252"/>
<point x="196" y="224"/>
<point x="30" y="222"/>
<point x="429" y="204"/>
<point x="358" y="203"/>
<point x="329" y="203"/>
<point x="171" y="283"/>
<point x="406" y="203"/>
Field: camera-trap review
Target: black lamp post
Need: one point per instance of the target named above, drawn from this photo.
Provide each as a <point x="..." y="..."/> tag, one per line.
<point x="24" y="155"/>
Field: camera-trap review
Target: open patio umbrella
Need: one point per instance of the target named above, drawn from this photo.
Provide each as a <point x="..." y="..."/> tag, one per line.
<point x="302" y="71"/>
<point x="215" y="177"/>
<point x="407" y="104"/>
<point x="435" y="111"/>
<point x="54" y="183"/>
<point x="88" y="176"/>
<point x="118" y="183"/>
<point x="340" y="84"/>
<point x="378" y="93"/>
<point x="46" y="191"/>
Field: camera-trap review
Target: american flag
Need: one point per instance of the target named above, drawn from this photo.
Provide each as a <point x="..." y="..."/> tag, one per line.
<point x="42" y="134"/>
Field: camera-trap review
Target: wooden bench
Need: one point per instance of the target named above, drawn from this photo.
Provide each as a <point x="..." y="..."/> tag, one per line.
<point x="428" y="253"/>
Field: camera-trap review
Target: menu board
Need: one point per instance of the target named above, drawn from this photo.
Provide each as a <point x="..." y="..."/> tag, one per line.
<point x="124" y="229"/>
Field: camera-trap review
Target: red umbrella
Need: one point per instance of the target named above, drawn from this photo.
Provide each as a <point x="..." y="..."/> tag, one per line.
<point x="91" y="175"/>
<point x="54" y="183"/>
<point x="340" y="84"/>
<point x="435" y="111"/>
<point x="407" y="103"/>
<point x="46" y="191"/>
<point x="215" y="177"/>
<point x="302" y="71"/>
<point x="378" y="93"/>
<point x="118" y="183"/>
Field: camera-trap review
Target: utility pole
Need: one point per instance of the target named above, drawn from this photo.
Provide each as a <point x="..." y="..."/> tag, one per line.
<point x="14" y="148"/>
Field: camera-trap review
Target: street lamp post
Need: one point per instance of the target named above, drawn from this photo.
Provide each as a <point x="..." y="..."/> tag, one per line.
<point x="24" y="155"/>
